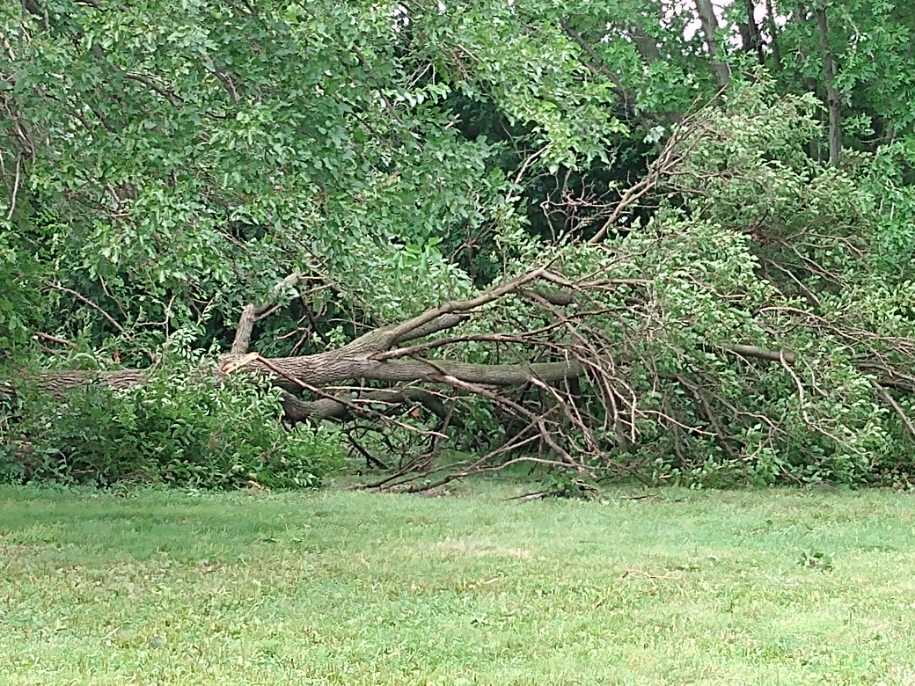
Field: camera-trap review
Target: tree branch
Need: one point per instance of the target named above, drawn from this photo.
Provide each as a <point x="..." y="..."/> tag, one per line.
<point x="251" y="313"/>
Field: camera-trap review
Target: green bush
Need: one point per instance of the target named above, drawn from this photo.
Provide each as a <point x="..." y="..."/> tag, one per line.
<point x="180" y="428"/>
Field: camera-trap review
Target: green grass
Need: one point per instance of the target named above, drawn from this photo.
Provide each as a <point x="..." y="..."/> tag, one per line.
<point x="333" y="587"/>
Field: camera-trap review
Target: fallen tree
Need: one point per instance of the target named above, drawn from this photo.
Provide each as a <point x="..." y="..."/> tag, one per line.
<point x="731" y="333"/>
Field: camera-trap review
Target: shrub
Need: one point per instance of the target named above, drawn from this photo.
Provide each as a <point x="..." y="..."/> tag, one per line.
<point x="179" y="428"/>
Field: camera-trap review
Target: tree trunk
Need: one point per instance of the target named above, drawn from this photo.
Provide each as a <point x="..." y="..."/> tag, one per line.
<point x="646" y="45"/>
<point x="710" y="29"/>
<point x="773" y="29"/>
<point x="749" y="33"/>
<point x="833" y="98"/>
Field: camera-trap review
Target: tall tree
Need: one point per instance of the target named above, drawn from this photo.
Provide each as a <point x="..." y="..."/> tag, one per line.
<point x="772" y="25"/>
<point x="709" y="21"/>
<point x="833" y="97"/>
<point x="749" y="32"/>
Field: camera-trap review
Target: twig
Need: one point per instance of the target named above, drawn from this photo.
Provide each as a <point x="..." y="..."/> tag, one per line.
<point x="891" y="401"/>
<point x="9" y="215"/>
<point x="83" y="299"/>
<point x="54" y="339"/>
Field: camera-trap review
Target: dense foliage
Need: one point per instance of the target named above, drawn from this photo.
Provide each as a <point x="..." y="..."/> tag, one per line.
<point x="177" y="429"/>
<point x="727" y="192"/>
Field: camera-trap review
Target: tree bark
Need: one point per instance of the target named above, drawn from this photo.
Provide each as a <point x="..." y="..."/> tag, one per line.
<point x="773" y="29"/>
<point x="251" y="313"/>
<point x="833" y="98"/>
<point x="749" y="33"/>
<point x="710" y="30"/>
<point x="646" y="45"/>
<point x="333" y="408"/>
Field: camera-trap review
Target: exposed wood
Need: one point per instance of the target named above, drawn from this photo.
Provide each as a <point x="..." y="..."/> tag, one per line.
<point x="762" y="353"/>
<point x="551" y="295"/>
<point x="244" y="330"/>
<point x="355" y="361"/>
<point x="397" y="332"/>
<point x="251" y="313"/>
<point x="54" y="339"/>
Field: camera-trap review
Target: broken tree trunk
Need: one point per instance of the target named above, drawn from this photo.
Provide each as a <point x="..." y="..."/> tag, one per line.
<point x="371" y="357"/>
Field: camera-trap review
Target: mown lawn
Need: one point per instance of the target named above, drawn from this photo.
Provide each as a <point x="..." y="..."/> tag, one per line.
<point x="336" y="587"/>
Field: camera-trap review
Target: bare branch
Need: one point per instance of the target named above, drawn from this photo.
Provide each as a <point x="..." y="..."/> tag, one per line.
<point x="83" y="299"/>
<point x="251" y="313"/>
